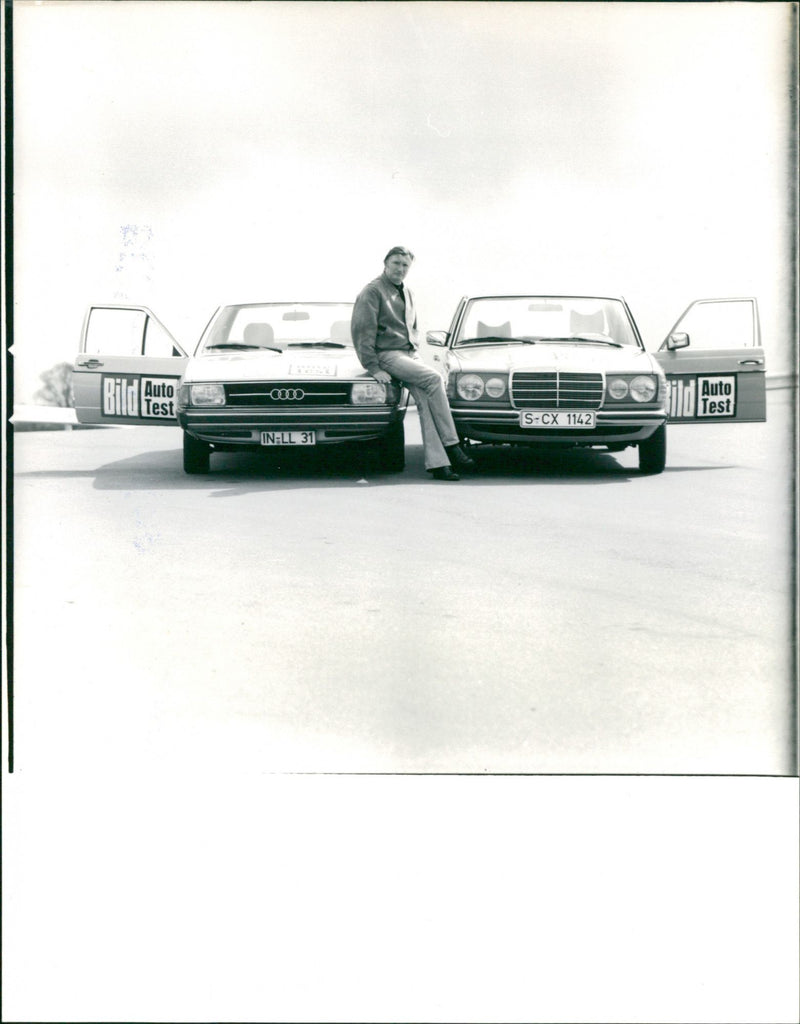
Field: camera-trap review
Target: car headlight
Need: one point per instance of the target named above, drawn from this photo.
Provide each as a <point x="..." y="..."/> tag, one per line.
<point x="470" y="387"/>
<point x="495" y="387"/>
<point x="368" y="392"/>
<point x="617" y="387"/>
<point x="643" y="389"/>
<point x="206" y="394"/>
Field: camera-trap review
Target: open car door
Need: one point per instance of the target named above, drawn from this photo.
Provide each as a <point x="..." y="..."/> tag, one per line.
<point x="714" y="364"/>
<point x="128" y="368"/>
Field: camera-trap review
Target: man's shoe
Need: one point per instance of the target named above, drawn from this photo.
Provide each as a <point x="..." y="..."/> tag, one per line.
<point x="459" y="458"/>
<point x="443" y="473"/>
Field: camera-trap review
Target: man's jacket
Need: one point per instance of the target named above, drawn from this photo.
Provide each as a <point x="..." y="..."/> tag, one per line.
<point x="382" y="321"/>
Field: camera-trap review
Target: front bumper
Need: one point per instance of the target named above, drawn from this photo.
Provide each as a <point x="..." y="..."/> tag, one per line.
<point x="243" y="426"/>
<point x="501" y="426"/>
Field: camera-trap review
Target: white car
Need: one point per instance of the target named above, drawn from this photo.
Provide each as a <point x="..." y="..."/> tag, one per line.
<point x="263" y="376"/>
<point x="573" y="372"/>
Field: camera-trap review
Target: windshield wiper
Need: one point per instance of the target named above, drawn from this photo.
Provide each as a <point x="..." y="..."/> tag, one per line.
<point x="317" y="344"/>
<point x="241" y="345"/>
<point x="492" y="338"/>
<point x="582" y="337"/>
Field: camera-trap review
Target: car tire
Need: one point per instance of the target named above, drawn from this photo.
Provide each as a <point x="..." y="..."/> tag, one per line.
<point x="196" y="455"/>
<point x="653" y="452"/>
<point x="391" y="449"/>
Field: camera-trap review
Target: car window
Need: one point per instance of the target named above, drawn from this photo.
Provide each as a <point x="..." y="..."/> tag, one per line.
<point x="157" y="340"/>
<point x="719" y="324"/>
<point x="532" y="317"/>
<point x="117" y="332"/>
<point x="121" y="331"/>
<point x="281" y="325"/>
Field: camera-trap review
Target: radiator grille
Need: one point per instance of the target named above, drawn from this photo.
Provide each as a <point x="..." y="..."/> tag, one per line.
<point x="557" y="390"/>
<point x="287" y="393"/>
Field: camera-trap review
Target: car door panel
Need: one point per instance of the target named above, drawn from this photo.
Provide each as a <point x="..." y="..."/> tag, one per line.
<point x="710" y="380"/>
<point x="127" y="389"/>
<point x="128" y="369"/>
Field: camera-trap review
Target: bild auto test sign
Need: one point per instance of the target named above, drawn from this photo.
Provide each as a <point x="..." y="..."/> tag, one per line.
<point x="132" y="396"/>
<point x="691" y="397"/>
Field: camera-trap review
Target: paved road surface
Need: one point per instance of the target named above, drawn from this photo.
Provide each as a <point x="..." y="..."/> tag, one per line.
<point x="545" y="615"/>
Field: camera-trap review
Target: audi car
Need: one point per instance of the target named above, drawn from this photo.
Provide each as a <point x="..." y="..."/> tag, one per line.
<point x="565" y="371"/>
<point x="263" y="376"/>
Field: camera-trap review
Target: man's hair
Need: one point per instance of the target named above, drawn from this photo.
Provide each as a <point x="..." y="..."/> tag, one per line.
<point x="398" y="250"/>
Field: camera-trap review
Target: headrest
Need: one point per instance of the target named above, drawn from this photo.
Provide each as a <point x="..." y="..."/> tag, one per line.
<point x="501" y="331"/>
<point x="587" y="323"/>
<point x="340" y="331"/>
<point x="259" y="334"/>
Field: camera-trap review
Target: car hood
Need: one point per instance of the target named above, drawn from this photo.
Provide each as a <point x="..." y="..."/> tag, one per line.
<point x="301" y="363"/>
<point x="579" y="356"/>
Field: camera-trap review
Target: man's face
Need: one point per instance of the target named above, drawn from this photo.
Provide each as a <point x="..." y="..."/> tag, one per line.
<point x="396" y="268"/>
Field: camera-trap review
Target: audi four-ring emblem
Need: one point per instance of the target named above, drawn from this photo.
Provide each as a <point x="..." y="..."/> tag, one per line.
<point x="287" y="394"/>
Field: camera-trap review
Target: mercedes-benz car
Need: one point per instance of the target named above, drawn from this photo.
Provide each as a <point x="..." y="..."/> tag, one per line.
<point x="263" y="376"/>
<point x="564" y="371"/>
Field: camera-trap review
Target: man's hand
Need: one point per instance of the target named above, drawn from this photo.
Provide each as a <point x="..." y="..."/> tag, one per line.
<point x="382" y="376"/>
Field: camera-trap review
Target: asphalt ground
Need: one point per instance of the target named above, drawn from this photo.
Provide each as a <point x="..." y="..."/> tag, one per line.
<point x="549" y="613"/>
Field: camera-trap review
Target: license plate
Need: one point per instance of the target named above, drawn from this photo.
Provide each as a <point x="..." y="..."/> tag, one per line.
<point x="572" y="419"/>
<point x="313" y="370"/>
<point x="288" y="437"/>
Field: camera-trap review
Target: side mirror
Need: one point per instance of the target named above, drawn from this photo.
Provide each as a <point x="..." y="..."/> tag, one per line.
<point x="679" y="340"/>
<point x="437" y="338"/>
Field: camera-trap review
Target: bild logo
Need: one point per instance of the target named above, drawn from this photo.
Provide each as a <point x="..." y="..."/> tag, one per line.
<point x="139" y="397"/>
<point x="699" y="397"/>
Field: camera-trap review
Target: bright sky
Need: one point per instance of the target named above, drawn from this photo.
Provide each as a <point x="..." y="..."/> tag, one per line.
<point x="185" y="154"/>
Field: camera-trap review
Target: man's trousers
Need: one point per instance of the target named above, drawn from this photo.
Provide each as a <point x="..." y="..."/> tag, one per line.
<point x="427" y="387"/>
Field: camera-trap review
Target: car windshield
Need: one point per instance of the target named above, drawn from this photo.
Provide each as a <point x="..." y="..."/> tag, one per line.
<point x="533" y="319"/>
<point x="278" y="326"/>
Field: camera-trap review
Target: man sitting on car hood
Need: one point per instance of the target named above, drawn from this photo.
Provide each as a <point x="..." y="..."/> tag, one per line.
<point x="384" y="329"/>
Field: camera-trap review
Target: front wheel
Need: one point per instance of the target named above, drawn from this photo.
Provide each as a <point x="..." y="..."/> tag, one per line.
<point x="391" y="449"/>
<point x="653" y="452"/>
<point x="196" y="455"/>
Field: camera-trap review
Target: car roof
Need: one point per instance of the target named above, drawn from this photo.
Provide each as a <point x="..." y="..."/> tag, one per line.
<point x="545" y="295"/>
<point x="292" y="302"/>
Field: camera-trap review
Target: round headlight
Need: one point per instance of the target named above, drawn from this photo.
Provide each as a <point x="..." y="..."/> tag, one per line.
<point x="643" y="389"/>
<point x="470" y="387"/>
<point x="617" y="387"/>
<point x="495" y="387"/>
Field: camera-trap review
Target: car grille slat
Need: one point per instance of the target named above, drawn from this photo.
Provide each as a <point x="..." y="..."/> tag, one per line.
<point x="287" y="393"/>
<point x="555" y="390"/>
